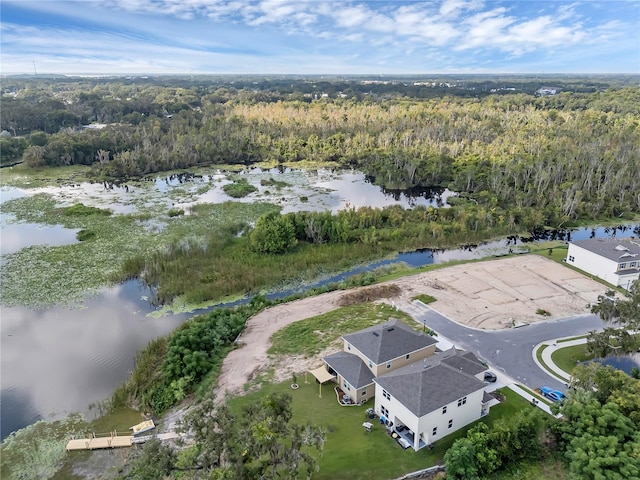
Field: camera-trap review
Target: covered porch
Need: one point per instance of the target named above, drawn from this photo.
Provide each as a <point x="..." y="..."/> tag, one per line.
<point x="406" y="437"/>
<point x="322" y="375"/>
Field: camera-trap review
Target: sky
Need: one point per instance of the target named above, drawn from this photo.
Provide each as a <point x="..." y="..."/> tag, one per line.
<point x="122" y="37"/>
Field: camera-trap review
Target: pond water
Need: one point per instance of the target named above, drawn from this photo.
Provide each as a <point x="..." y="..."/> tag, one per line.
<point x="60" y="360"/>
<point x="622" y="362"/>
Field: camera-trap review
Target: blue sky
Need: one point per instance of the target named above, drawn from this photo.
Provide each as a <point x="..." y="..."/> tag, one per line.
<point x="103" y="37"/>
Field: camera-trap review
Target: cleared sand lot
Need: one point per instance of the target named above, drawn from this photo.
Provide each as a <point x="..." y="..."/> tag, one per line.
<point x="492" y="294"/>
<point x="489" y="295"/>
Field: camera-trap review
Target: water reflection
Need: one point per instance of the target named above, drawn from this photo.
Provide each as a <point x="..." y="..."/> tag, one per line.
<point x="622" y="362"/>
<point x="61" y="360"/>
<point x="16" y="236"/>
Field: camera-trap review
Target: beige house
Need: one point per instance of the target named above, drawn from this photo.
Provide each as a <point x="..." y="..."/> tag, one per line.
<point x="376" y="351"/>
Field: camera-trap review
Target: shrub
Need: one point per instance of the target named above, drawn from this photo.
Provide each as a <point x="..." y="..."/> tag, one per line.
<point x="85" y="234"/>
<point x="82" y="210"/>
<point x="175" y="212"/>
<point x="239" y="188"/>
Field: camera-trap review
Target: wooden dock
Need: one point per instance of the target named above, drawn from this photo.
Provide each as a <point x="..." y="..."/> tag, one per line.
<point x="113" y="440"/>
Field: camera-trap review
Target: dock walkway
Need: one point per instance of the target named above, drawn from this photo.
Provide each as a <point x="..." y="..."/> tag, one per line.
<point x="93" y="443"/>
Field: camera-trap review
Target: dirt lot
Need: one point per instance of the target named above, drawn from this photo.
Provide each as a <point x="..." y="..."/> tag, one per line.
<point x="487" y="295"/>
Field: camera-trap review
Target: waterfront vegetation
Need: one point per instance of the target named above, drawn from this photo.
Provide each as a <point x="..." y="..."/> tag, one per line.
<point x="519" y="164"/>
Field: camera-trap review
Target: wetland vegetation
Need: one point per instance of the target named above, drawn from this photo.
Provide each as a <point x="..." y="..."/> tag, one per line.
<point x="519" y="163"/>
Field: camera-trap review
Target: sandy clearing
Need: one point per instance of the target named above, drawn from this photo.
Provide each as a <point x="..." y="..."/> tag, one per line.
<point x="488" y="295"/>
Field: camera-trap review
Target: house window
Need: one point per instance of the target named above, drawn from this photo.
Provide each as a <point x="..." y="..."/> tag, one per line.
<point x="407" y="356"/>
<point x="385" y="411"/>
<point x="347" y="386"/>
<point x="370" y="364"/>
<point x="462" y="401"/>
<point x="434" y="432"/>
<point x="622" y="266"/>
<point x="364" y="392"/>
<point x="450" y="423"/>
<point x="632" y="265"/>
<point x="444" y="409"/>
<point x="389" y="365"/>
<point x="571" y="258"/>
<point x="348" y="347"/>
<point x="386" y="395"/>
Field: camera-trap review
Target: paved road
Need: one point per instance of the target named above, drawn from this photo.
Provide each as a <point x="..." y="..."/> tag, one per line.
<point x="510" y="351"/>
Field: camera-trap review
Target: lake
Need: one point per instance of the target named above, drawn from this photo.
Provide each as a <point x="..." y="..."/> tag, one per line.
<point x="61" y="360"/>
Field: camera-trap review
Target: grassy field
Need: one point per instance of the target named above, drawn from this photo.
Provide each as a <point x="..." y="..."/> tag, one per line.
<point x="350" y="453"/>
<point x="309" y="337"/>
<point x="567" y="358"/>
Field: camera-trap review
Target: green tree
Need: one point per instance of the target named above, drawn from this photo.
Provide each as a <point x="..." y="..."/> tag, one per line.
<point x="471" y="457"/>
<point x="624" y="316"/>
<point x="601" y="442"/>
<point x="258" y="443"/>
<point x="157" y="461"/>
<point x="273" y="233"/>
<point x="517" y="437"/>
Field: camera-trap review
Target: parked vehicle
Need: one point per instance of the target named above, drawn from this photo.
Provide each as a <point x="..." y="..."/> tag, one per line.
<point x="550" y="393"/>
<point x="490" y="377"/>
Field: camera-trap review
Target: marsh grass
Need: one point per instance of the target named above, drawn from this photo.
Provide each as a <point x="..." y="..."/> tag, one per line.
<point x="239" y="188"/>
<point x="309" y="337"/>
<point x="22" y="176"/>
<point x="71" y="272"/>
<point x="38" y="450"/>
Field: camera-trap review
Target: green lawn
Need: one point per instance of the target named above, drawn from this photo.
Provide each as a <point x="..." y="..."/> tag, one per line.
<point x="567" y="358"/>
<point x="350" y="452"/>
<point x="310" y="336"/>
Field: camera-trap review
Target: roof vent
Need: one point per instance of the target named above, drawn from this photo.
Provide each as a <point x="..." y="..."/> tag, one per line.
<point x="390" y="329"/>
<point x="376" y="334"/>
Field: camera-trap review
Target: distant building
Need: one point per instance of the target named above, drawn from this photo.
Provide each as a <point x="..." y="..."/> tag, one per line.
<point x="616" y="261"/>
<point x="547" y="91"/>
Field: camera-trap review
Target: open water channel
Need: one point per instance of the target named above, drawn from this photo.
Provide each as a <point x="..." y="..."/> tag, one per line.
<point x="61" y="360"/>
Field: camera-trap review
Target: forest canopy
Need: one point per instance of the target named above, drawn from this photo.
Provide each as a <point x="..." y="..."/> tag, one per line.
<point x="569" y="156"/>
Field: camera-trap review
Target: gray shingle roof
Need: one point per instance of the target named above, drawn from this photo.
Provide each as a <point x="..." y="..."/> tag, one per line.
<point x="618" y="250"/>
<point x="388" y="340"/>
<point x="466" y="362"/>
<point x="351" y="368"/>
<point x="426" y="386"/>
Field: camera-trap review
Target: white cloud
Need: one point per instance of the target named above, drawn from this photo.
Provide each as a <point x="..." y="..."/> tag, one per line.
<point x="409" y="36"/>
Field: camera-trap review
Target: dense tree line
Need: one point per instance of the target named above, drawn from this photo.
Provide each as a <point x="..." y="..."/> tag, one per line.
<point x="169" y="368"/>
<point x="570" y="156"/>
